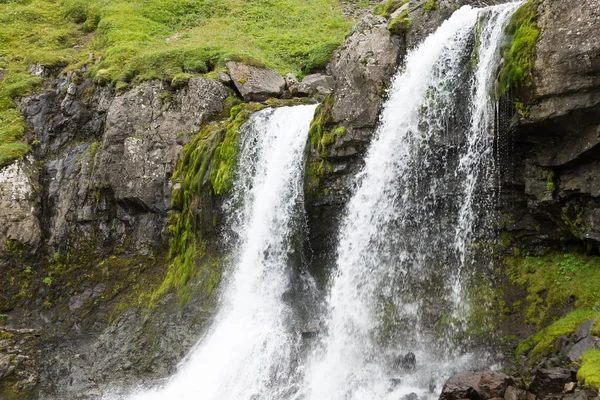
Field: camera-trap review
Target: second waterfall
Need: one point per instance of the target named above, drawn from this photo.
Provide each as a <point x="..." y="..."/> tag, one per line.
<point x="397" y="307"/>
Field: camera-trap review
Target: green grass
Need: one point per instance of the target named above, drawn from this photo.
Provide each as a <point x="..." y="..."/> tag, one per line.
<point x="520" y="55"/>
<point x="553" y="280"/>
<point x="137" y="40"/>
<point x="542" y="343"/>
<point x="387" y="8"/>
<point x="30" y="32"/>
<point x="589" y="372"/>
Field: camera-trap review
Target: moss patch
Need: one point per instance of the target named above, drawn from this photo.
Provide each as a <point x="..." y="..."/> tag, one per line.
<point x="387" y="8"/>
<point x="520" y="55"/>
<point x="430" y="5"/>
<point x="542" y="343"/>
<point x="322" y="132"/>
<point x="589" y="372"/>
<point x="554" y="280"/>
<point x="401" y="24"/>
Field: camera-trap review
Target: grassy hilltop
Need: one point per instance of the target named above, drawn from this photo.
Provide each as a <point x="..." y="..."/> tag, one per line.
<point x="123" y="42"/>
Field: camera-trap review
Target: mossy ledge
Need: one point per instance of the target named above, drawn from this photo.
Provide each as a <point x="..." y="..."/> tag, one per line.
<point x="555" y="281"/>
<point x="520" y="55"/>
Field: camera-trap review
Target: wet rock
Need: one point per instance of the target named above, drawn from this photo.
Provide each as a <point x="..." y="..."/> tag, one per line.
<point x="476" y="385"/>
<point x="254" y="83"/>
<point x="407" y="362"/>
<point x="550" y="381"/>
<point x="316" y="84"/>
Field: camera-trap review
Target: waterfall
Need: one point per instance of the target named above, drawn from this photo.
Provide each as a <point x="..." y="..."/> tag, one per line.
<point x="420" y="202"/>
<point x="250" y="349"/>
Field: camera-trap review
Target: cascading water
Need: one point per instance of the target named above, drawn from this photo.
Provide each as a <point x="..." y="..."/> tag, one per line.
<point x="251" y="346"/>
<point x="420" y="201"/>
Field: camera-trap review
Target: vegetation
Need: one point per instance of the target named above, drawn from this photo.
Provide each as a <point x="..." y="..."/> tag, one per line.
<point x="520" y="55"/>
<point x="542" y="343"/>
<point x="553" y="281"/>
<point x="401" y="24"/>
<point x="126" y="42"/>
<point x="387" y="8"/>
<point x="430" y="5"/>
<point x="589" y="372"/>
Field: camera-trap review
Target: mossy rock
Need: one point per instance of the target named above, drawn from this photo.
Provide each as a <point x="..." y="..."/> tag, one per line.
<point x="520" y="55"/>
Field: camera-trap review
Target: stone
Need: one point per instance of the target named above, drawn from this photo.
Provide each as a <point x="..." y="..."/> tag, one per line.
<point x="550" y="381"/>
<point x="316" y="84"/>
<point x="569" y="387"/>
<point x="224" y="78"/>
<point x="512" y="393"/>
<point x="407" y="362"/>
<point x="291" y="82"/>
<point x="584" y="341"/>
<point x="476" y="385"/>
<point x="254" y="83"/>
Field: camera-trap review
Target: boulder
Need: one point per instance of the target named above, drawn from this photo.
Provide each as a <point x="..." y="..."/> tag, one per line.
<point x="316" y="84"/>
<point x="550" y="381"/>
<point x="482" y="385"/>
<point x="254" y="83"/>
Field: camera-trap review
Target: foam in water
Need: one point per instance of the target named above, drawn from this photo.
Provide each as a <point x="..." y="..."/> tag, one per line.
<point x="250" y="349"/>
<point x="404" y="237"/>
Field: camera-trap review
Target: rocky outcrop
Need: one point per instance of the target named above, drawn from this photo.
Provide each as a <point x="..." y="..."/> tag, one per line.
<point x="550" y="179"/>
<point x="476" y="386"/>
<point x="88" y="218"/>
<point x="19" y="221"/>
<point x="255" y="83"/>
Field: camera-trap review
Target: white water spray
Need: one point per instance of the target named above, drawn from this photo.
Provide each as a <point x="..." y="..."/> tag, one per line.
<point x="404" y="236"/>
<point x="250" y="349"/>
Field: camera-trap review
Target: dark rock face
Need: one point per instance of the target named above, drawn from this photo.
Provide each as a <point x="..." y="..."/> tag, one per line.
<point x="97" y="194"/>
<point x="553" y="168"/>
<point x="256" y="84"/>
<point x="476" y="386"/>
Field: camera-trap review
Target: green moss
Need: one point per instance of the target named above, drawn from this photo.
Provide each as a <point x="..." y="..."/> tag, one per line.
<point x="180" y="80"/>
<point x="319" y="133"/>
<point x="553" y="280"/>
<point x="542" y="343"/>
<point x="486" y="306"/>
<point x="589" y="372"/>
<point x="387" y="8"/>
<point x="430" y="5"/>
<point x="520" y="55"/>
<point x="401" y="24"/>
<point x="226" y="154"/>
